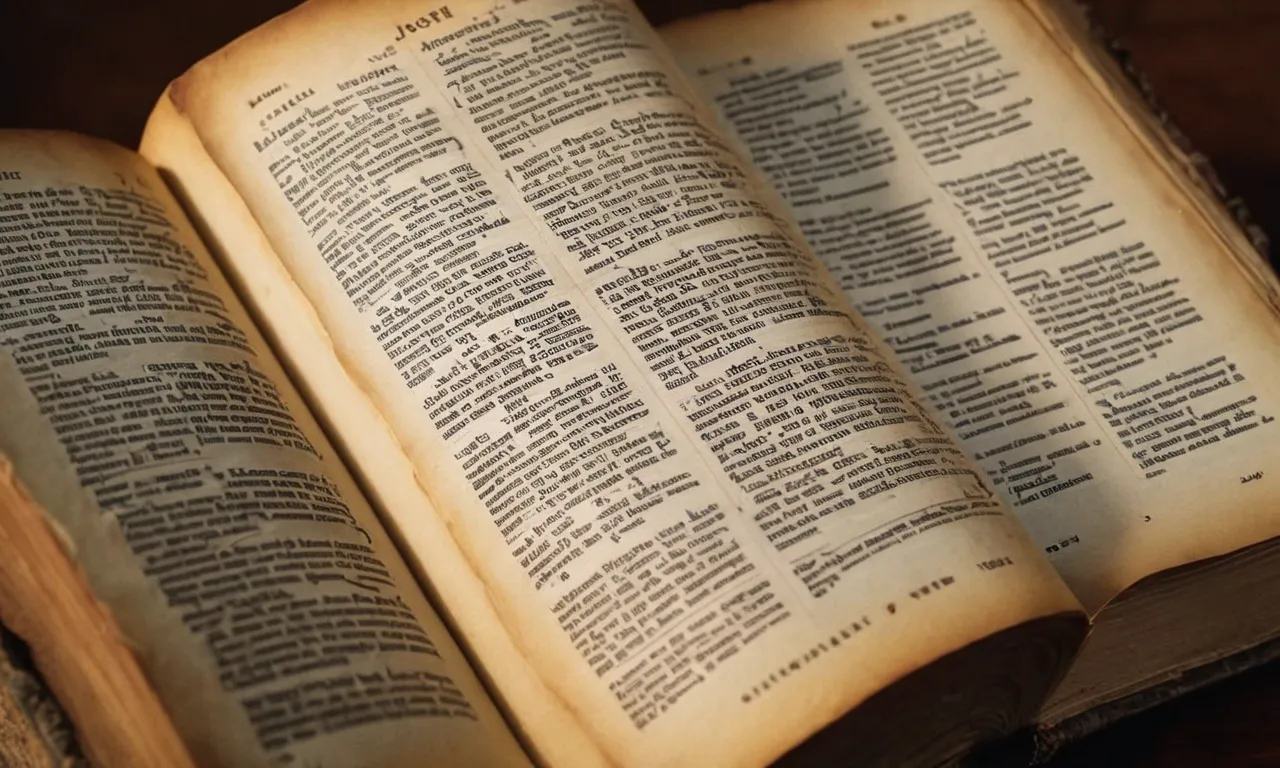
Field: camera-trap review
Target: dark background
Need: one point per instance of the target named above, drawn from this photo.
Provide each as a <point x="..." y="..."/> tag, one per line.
<point x="97" y="67"/>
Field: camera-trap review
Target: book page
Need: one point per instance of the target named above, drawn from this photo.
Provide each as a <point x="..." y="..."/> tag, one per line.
<point x="707" y="510"/>
<point x="368" y="444"/>
<point x="1069" y="25"/>
<point x="1073" y="317"/>
<point x="144" y="414"/>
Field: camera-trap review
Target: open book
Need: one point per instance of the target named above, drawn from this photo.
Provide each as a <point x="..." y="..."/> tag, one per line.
<point x="484" y="383"/>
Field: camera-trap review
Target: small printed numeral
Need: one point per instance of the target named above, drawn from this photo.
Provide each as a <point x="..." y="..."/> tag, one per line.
<point x="991" y="565"/>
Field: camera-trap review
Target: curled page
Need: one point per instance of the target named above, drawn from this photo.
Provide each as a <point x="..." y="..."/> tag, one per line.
<point x="145" y="414"/>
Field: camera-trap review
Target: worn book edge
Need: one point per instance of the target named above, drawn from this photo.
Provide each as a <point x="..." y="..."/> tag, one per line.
<point x="76" y="643"/>
<point x="1200" y="170"/>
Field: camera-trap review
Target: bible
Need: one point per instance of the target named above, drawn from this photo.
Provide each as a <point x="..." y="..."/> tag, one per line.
<point x="509" y="383"/>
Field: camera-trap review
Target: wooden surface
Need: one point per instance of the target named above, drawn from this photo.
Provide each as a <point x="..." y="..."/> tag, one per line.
<point x="97" y="66"/>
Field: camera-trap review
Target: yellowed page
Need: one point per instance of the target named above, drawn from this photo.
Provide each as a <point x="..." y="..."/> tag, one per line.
<point x="1068" y="24"/>
<point x="145" y="414"/>
<point x="1071" y="313"/>
<point x="368" y="443"/>
<point x="708" y="537"/>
